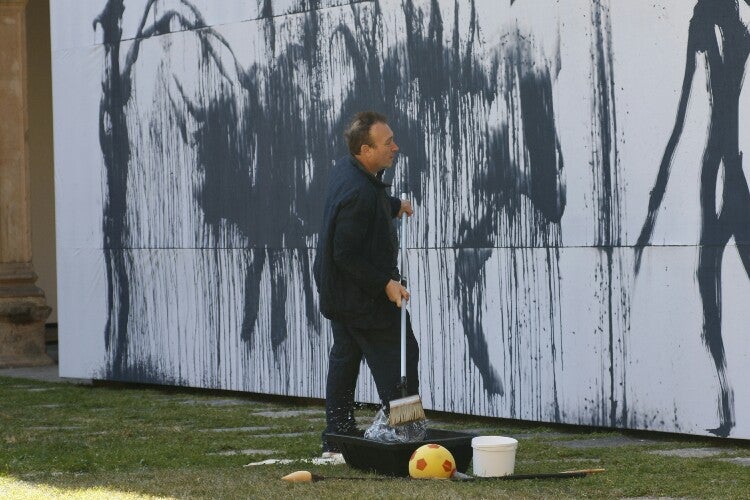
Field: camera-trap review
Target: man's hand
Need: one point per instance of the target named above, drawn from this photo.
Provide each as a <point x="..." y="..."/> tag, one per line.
<point x="395" y="292"/>
<point x="405" y="208"/>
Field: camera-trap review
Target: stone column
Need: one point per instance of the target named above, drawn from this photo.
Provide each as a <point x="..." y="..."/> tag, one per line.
<point x="23" y="309"/>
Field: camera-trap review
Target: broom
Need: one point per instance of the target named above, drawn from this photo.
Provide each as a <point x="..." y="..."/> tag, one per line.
<point x="406" y="409"/>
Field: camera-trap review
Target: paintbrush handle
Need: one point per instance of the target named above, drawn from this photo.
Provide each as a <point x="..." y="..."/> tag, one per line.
<point x="552" y="475"/>
<point x="586" y="471"/>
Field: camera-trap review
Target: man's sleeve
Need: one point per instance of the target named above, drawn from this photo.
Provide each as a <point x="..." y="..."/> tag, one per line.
<point x="354" y="218"/>
<point x="395" y="205"/>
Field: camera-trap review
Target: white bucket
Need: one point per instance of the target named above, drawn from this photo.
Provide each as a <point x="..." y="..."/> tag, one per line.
<point x="494" y="456"/>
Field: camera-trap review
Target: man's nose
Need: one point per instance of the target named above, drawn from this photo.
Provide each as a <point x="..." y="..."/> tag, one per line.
<point x="394" y="147"/>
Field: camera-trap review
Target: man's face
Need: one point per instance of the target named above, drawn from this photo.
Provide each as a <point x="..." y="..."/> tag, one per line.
<point x="383" y="150"/>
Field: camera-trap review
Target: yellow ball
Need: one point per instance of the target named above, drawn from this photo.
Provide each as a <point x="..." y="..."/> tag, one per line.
<point x="431" y="461"/>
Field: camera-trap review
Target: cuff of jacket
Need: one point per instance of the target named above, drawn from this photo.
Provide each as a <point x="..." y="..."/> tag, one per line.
<point x="376" y="287"/>
<point x="395" y="206"/>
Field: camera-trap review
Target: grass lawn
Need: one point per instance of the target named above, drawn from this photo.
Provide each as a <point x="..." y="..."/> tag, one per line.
<point x="60" y="440"/>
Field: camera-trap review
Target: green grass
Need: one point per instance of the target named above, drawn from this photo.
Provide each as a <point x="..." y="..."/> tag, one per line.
<point x="136" y="442"/>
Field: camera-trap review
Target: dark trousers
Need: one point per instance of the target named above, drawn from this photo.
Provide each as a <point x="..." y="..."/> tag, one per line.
<point x="381" y="349"/>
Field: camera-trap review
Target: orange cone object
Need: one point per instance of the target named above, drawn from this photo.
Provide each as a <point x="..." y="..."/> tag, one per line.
<point x="303" y="476"/>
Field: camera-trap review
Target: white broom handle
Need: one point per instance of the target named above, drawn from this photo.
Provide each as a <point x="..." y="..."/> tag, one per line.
<point x="403" y="303"/>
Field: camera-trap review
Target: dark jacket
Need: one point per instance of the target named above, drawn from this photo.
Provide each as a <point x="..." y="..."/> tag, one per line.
<point x="357" y="249"/>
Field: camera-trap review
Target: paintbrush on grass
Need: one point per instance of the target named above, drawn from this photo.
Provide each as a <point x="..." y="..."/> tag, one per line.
<point x="303" y="476"/>
<point x="407" y="408"/>
<point x="568" y="474"/>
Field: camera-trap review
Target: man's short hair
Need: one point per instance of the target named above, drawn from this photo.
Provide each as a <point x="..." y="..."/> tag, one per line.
<point x="358" y="132"/>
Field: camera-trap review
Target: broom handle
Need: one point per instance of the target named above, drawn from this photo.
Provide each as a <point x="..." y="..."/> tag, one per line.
<point x="403" y="303"/>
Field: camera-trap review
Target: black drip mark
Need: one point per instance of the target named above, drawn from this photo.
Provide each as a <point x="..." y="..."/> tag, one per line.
<point x="725" y="73"/>
<point x="114" y="140"/>
<point x="542" y="145"/>
<point x="270" y="25"/>
<point x="554" y="320"/>
<point x="470" y="294"/>
<point x="608" y="191"/>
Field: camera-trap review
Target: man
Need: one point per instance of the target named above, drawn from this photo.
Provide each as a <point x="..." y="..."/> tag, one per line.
<point x="357" y="275"/>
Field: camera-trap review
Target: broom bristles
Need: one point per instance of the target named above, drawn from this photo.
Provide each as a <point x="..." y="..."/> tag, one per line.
<point x="406" y="410"/>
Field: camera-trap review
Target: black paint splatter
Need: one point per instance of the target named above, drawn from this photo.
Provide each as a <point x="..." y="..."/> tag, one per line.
<point x="250" y="166"/>
<point x="264" y="136"/>
<point x="726" y="56"/>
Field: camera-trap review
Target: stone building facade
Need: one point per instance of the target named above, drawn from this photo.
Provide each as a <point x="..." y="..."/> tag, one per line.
<point x="23" y="307"/>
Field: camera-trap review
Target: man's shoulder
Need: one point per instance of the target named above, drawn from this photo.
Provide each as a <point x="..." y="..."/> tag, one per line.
<point x="345" y="172"/>
<point x="345" y="162"/>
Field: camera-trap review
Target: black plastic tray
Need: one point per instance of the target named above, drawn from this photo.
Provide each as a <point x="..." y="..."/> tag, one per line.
<point x="392" y="459"/>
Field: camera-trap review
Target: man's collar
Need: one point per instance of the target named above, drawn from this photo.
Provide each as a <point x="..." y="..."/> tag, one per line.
<point x="377" y="179"/>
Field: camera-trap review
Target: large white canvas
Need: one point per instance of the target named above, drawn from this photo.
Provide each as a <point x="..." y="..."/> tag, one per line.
<point x="192" y="267"/>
